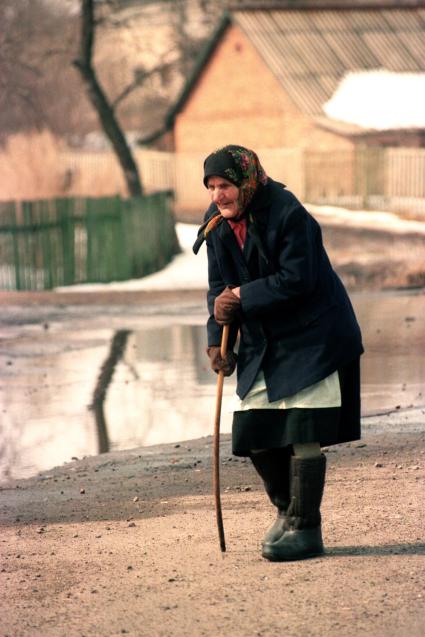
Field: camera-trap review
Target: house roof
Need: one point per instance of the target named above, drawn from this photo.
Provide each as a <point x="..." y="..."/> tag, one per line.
<point x="311" y="49"/>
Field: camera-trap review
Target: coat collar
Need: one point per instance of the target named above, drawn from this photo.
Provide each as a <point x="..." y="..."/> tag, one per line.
<point x="258" y="214"/>
<point x="261" y="199"/>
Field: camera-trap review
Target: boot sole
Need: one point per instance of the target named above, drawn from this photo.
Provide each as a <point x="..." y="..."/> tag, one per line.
<point x="293" y="558"/>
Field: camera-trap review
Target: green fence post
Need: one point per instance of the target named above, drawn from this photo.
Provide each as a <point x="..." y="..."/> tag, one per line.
<point x="15" y="238"/>
<point x="48" y="243"/>
<point x="88" y="222"/>
<point x="66" y="218"/>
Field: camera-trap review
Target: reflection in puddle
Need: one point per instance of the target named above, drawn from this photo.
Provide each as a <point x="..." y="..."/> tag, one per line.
<point x="56" y="401"/>
<point x="173" y="397"/>
<point x="97" y="406"/>
<point x="153" y="385"/>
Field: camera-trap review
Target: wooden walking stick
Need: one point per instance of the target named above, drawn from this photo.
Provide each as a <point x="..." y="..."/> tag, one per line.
<point x="216" y="445"/>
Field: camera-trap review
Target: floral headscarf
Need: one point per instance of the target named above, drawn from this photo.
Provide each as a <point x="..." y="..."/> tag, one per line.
<point x="239" y="165"/>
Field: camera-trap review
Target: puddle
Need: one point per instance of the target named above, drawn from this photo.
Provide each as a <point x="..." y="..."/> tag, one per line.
<point x="162" y="389"/>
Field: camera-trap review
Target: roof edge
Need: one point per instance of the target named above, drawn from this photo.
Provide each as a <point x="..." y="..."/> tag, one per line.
<point x="338" y="126"/>
<point x="347" y="129"/>
<point x="201" y="61"/>
<point x="315" y="5"/>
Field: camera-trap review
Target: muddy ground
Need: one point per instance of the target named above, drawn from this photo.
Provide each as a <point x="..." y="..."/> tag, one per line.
<point x="126" y="543"/>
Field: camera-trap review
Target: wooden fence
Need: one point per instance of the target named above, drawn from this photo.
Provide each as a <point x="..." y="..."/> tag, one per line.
<point x="362" y="177"/>
<point x="99" y="173"/>
<point x="375" y="178"/>
<point x="49" y="243"/>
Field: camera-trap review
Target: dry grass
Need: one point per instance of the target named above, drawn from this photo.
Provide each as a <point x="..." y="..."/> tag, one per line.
<point x="39" y="166"/>
<point x="30" y="167"/>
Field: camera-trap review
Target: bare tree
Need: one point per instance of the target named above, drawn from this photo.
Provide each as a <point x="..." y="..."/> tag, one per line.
<point x="158" y="37"/>
<point x="144" y="52"/>
<point x="97" y="96"/>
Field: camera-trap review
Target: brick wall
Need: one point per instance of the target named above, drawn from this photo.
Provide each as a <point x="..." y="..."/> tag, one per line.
<point x="238" y="100"/>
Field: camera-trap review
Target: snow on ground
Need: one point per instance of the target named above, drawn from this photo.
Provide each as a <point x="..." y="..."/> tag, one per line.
<point x="385" y="221"/>
<point x="187" y="271"/>
<point x="379" y="100"/>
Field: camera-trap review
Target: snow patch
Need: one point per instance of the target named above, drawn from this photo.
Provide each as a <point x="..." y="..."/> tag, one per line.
<point x="379" y="100"/>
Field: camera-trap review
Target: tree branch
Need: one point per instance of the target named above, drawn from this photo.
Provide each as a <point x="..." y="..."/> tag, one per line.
<point x="87" y="31"/>
<point x="139" y="78"/>
<point x="104" y="109"/>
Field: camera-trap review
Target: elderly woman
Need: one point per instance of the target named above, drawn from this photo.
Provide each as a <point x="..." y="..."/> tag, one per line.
<point x="298" y="378"/>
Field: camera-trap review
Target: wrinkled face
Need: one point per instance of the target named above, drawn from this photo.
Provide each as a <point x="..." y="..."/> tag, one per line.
<point x="225" y="195"/>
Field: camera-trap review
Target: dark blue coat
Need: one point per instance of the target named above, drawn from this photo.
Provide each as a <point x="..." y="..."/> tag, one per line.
<point x="297" y="322"/>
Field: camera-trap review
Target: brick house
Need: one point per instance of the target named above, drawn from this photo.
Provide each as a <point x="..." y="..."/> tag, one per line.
<point x="265" y="76"/>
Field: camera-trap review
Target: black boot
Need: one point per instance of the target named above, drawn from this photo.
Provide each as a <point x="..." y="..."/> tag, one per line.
<point x="303" y="537"/>
<point x="272" y="465"/>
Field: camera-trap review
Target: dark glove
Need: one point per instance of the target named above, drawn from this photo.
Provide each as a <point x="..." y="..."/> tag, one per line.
<point x="226" y="307"/>
<point x="226" y="365"/>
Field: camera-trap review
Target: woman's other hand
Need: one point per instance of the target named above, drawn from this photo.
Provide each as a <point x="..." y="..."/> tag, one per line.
<point x="218" y="364"/>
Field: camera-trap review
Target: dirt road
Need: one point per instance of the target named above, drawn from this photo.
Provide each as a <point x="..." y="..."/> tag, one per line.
<point x="126" y="543"/>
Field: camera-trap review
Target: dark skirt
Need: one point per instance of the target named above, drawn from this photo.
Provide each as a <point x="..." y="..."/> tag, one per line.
<point x="274" y="428"/>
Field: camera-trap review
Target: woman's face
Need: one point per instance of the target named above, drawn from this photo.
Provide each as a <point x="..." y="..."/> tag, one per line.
<point x="225" y="195"/>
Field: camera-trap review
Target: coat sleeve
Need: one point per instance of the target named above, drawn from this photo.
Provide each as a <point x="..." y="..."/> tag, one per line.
<point x="216" y="285"/>
<point x="296" y="266"/>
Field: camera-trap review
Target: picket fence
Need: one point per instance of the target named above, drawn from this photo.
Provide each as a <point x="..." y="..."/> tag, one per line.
<point x="50" y="243"/>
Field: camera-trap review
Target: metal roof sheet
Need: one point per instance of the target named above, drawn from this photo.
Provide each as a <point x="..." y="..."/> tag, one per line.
<point x="310" y="51"/>
<point x="415" y="44"/>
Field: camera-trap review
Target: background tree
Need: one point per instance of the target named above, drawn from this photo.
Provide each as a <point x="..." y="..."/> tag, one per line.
<point x="100" y="102"/>
<point x="144" y="52"/>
